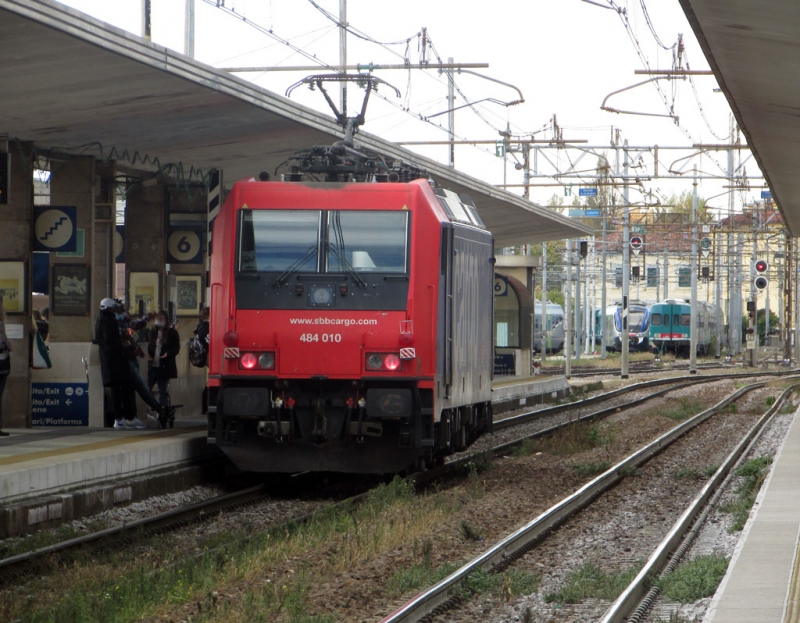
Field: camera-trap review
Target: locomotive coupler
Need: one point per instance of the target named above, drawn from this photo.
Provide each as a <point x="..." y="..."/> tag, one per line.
<point x="271" y="428"/>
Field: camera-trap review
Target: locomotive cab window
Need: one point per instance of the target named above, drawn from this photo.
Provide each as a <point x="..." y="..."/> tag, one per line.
<point x="367" y="241"/>
<point x="277" y="240"/>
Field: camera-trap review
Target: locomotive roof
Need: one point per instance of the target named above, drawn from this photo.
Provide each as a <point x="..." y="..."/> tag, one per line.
<point x="142" y="97"/>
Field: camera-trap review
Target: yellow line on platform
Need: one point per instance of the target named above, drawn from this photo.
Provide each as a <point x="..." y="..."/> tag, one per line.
<point x="97" y="445"/>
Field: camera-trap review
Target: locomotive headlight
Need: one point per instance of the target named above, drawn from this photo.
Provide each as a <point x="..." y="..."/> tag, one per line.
<point x="383" y="361"/>
<point x="374" y="361"/>
<point x="266" y="361"/>
<point x="252" y="361"/>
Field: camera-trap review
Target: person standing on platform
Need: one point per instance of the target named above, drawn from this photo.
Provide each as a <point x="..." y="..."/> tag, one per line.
<point x="5" y="362"/>
<point x="113" y="365"/>
<point x="163" y="346"/>
<point x="132" y="352"/>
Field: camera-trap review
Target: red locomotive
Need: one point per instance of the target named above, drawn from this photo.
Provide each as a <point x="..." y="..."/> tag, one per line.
<point x="351" y="322"/>
<point x="351" y="316"/>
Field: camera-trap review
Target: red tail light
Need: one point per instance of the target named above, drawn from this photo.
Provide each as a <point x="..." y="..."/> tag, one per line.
<point x="248" y="361"/>
<point x="391" y="362"/>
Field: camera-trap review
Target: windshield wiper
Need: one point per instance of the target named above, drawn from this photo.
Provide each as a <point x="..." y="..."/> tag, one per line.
<point x="343" y="263"/>
<point x="292" y="268"/>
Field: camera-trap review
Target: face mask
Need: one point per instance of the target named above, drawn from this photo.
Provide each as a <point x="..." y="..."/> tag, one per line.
<point x="120" y="316"/>
<point x="159" y="323"/>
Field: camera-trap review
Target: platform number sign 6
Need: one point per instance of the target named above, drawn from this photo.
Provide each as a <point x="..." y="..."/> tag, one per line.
<point x="184" y="247"/>
<point x="500" y="286"/>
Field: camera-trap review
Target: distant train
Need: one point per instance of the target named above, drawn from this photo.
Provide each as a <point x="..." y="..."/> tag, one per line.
<point x="670" y="324"/>
<point x="610" y="325"/>
<point x="351" y="319"/>
<point x="554" y="338"/>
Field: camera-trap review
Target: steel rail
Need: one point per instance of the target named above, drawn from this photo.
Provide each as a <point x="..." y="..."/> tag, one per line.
<point x="531" y="415"/>
<point x="631" y="600"/>
<point x="516" y="544"/>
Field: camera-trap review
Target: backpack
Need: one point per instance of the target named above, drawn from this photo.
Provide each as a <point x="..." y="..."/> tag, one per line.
<point x="198" y="352"/>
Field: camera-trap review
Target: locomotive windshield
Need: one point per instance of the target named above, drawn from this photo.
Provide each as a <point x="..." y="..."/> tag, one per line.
<point x="636" y="321"/>
<point x="277" y="240"/>
<point x="355" y="241"/>
<point x="367" y="241"/>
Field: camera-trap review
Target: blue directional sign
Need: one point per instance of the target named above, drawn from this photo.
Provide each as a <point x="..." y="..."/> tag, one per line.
<point x="587" y="192"/>
<point x="765" y="194"/>
<point x="592" y="212"/>
<point x="59" y="404"/>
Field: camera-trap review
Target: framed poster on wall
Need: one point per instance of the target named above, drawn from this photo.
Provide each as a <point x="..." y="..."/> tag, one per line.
<point x="13" y="281"/>
<point x="144" y="292"/>
<point x="69" y="290"/>
<point x="189" y="294"/>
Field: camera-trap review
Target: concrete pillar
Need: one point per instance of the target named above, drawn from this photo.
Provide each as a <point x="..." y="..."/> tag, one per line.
<point x="80" y="182"/>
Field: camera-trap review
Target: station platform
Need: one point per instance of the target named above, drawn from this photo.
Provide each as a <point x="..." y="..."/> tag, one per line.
<point x="515" y="392"/>
<point x="763" y="579"/>
<point x="48" y="475"/>
<point x="52" y="474"/>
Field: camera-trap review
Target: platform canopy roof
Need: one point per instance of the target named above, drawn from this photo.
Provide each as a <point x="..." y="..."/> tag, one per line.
<point x="754" y="50"/>
<point x="73" y="83"/>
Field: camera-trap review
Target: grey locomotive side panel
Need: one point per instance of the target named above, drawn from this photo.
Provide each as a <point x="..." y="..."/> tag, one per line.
<point x="472" y="313"/>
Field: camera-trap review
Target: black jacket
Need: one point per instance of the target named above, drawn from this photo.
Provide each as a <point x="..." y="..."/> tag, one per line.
<point x="171" y="346"/>
<point x="113" y="365"/>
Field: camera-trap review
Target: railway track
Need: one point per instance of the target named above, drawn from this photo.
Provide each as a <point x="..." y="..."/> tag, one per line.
<point x="635" y="367"/>
<point x="446" y="594"/>
<point x="173" y="519"/>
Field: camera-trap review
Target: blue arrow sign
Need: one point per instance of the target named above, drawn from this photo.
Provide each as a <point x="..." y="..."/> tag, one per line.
<point x="587" y="192"/>
<point x="59" y="404"/>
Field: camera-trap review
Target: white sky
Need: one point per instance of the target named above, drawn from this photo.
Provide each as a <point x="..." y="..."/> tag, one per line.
<point x="565" y="56"/>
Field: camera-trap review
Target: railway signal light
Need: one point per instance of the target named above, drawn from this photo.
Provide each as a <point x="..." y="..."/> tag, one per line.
<point x="761" y="280"/>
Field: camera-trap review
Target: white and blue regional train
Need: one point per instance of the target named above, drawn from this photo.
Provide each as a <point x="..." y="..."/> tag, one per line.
<point x="610" y="324"/>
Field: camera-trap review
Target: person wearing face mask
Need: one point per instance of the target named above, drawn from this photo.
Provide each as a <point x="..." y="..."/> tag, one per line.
<point x="163" y="345"/>
<point x="129" y="327"/>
